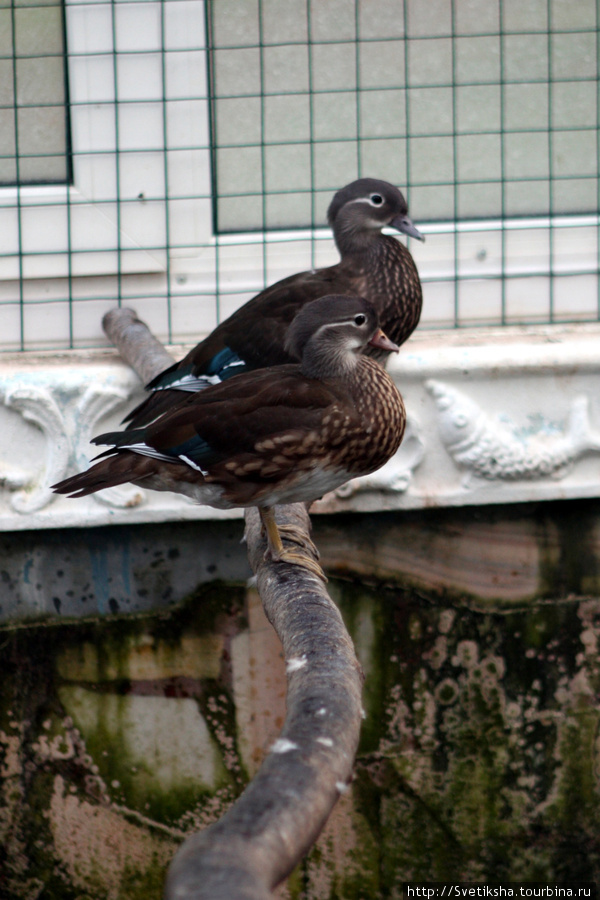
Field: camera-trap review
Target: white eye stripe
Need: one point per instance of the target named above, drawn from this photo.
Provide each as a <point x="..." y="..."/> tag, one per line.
<point x="369" y="201"/>
<point x="350" y="321"/>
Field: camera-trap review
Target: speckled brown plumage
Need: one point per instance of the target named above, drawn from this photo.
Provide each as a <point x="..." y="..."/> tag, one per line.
<point x="388" y="274"/>
<point x="375" y="266"/>
<point x="271" y="436"/>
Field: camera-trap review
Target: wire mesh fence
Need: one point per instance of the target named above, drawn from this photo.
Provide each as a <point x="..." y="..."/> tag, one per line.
<point x="205" y="141"/>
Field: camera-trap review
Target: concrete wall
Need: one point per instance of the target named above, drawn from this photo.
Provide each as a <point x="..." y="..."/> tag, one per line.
<point x="124" y="726"/>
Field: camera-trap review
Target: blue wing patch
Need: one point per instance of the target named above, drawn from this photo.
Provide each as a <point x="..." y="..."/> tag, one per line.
<point x="222" y="366"/>
<point x="196" y="452"/>
<point x="194" y="449"/>
<point x="225" y="364"/>
<point x="222" y="360"/>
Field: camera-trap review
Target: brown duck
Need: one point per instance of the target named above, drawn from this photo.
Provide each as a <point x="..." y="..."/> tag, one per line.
<point x="266" y="437"/>
<point x="375" y="266"/>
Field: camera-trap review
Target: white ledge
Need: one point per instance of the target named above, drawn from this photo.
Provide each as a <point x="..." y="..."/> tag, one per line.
<point x="496" y="416"/>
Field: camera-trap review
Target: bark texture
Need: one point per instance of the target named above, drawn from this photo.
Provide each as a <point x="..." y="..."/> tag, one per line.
<point x="136" y="343"/>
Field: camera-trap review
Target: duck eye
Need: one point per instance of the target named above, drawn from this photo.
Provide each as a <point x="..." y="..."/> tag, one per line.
<point x="360" y="319"/>
<point x="376" y="199"/>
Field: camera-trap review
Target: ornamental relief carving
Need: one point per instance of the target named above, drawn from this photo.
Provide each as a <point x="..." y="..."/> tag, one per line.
<point x="66" y="408"/>
<point x="494" y="448"/>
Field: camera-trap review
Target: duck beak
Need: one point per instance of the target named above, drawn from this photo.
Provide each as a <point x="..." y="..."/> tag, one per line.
<point x="406" y="225"/>
<point x="382" y="342"/>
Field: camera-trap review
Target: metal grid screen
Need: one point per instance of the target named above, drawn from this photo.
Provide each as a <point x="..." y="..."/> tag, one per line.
<point x="33" y="100"/>
<point x="483" y="109"/>
<point x="208" y="139"/>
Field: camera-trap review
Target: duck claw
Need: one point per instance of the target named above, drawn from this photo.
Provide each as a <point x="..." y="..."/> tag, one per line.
<point x="298" y="536"/>
<point x="294" y="558"/>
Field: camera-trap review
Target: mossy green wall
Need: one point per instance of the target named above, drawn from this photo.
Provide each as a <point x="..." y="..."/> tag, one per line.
<point x="479" y="758"/>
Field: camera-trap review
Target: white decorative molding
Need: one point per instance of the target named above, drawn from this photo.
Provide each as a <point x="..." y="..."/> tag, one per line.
<point x="496" y="447"/>
<point x="498" y="416"/>
<point x="505" y="415"/>
<point x="37" y="405"/>
<point x="63" y="405"/>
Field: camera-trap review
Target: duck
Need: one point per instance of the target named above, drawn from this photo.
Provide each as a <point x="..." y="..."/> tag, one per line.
<point x="375" y="266"/>
<point x="271" y="436"/>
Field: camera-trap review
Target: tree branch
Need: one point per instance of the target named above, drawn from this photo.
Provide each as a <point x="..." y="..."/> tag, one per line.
<point x="136" y="343"/>
<point x="257" y="843"/>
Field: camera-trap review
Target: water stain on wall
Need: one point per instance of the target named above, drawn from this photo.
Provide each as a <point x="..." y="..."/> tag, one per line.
<point x="479" y="758"/>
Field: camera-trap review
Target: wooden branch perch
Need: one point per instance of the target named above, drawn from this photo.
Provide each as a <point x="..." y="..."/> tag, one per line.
<point x="257" y="843"/>
<point x="136" y="343"/>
